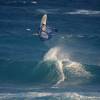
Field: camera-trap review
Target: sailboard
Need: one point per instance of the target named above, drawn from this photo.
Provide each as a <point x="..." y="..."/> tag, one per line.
<point x="43" y="33"/>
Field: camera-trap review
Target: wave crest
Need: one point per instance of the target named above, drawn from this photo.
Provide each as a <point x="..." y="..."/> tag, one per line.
<point x="64" y="65"/>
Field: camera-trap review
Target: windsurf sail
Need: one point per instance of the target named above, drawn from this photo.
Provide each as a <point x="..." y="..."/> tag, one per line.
<point x="44" y="20"/>
<point x="45" y="32"/>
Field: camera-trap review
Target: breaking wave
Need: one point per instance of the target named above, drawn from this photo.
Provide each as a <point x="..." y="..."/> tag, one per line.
<point x="56" y="68"/>
<point x="64" y="65"/>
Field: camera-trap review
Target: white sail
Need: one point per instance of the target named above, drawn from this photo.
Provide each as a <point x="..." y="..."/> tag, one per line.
<point x="44" y="20"/>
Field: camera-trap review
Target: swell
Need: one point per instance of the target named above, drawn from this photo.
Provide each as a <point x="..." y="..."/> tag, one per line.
<point x="16" y="71"/>
<point x="18" y="3"/>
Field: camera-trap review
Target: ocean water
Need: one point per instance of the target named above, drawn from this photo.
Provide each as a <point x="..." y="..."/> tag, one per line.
<point x="66" y="67"/>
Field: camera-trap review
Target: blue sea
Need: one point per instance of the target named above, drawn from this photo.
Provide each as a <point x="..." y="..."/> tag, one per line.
<point x="65" y="67"/>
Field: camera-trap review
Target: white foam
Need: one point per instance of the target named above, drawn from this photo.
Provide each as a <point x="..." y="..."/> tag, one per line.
<point x="63" y="61"/>
<point x="28" y="29"/>
<point x="61" y="95"/>
<point x="80" y="36"/>
<point x="53" y="54"/>
<point x="83" y="12"/>
<point x="34" y="2"/>
<point x="77" y="69"/>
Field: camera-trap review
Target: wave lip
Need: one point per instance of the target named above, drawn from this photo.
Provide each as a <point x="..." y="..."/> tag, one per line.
<point x="83" y="12"/>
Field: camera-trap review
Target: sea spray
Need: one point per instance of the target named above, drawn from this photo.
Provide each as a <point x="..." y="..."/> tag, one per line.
<point x="63" y="61"/>
<point x="53" y="54"/>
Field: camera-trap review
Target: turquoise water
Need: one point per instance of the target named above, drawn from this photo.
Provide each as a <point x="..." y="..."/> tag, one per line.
<point x="66" y="67"/>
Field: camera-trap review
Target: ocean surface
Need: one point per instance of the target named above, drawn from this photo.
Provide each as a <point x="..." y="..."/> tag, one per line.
<point x="66" y="67"/>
